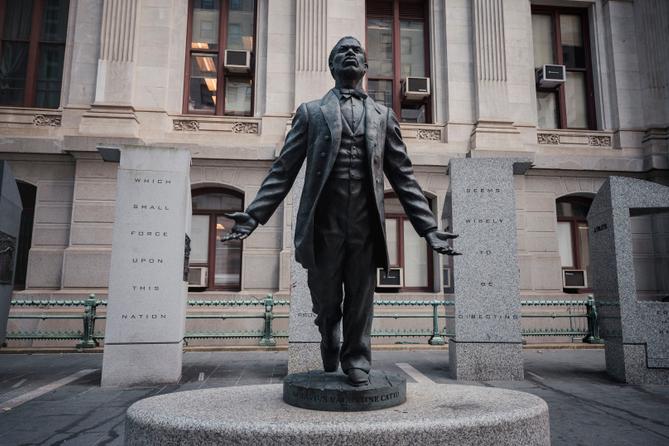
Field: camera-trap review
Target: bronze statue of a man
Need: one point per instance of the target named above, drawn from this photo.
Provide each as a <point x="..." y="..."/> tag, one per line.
<point x="349" y="142"/>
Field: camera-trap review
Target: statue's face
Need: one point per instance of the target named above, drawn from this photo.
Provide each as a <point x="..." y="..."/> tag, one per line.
<point x="349" y="61"/>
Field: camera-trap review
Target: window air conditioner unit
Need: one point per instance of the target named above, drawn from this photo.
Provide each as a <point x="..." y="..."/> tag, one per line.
<point x="551" y="76"/>
<point x="416" y="88"/>
<point x="394" y="278"/>
<point x="574" y="279"/>
<point x="198" y="276"/>
<point x="448" y="274"/>
<point x="237" y="61"/>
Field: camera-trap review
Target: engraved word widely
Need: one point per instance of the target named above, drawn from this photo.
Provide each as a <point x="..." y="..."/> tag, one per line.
<point x="484" y="220"/>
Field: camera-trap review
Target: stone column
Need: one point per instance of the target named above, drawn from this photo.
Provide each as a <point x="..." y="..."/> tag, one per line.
<point x="481" y="208"/>
<point x="303" y="336"/>
<point x="10" y="223"/>
<point x="148" y="278"/>
<point x="312" y="75"/>
<point x="112" y="112"/>
<point x="494" y="129"/>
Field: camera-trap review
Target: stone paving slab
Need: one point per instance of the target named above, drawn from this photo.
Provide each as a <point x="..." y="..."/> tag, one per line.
<point x="586" y="406"/>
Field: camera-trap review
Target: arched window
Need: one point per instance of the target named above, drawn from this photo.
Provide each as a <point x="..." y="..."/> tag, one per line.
<point x="572" y="231"/>
<point x="406" y="249"/>
<point x="28" y="194"/>
<point x="223" y="261"/>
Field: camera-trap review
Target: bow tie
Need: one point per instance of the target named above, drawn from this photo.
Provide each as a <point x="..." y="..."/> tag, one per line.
<point x="350" y="92"/>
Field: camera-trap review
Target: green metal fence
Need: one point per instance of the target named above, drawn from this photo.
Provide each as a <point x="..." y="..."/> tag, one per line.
<point x="439" y="312"/>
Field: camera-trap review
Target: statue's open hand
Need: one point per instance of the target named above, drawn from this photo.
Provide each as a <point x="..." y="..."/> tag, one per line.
<point x="438" y="241"/>
<point x="244" y="226"/>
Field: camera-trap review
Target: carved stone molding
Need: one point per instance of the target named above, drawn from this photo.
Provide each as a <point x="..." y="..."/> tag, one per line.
<point x="47" y="120"/>
<point x="572" y="138"/>
<point x="548" y="138"/>
<point x="245" y="127"/>
<point x="429" y="134"/>
<point x="186" y="125"/>
<point x="599" y="141"/>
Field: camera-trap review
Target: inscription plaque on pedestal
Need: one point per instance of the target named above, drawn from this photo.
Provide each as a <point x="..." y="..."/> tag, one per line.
<point x="481" y="208"/>
<point x="147" y="288"/>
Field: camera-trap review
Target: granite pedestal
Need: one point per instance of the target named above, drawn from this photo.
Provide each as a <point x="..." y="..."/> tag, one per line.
<point x="304" y="352"/>
<point x="480" y="207"/>
<point x="10" y="222"/>
<point x="635" y="330"/>
<point x="146" y="312"/>
<point x="438" y="415"/>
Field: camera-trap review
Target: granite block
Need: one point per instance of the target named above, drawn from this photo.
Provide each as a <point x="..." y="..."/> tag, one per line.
<point x="469" y="361"/>
<point x="481" y="208"/>
<point x="10" y="222"/>
<point x="432" y="415"/>
<point x="636" y="331"/>
<point x="304" y="356"/>
<point x="147" y="284"/>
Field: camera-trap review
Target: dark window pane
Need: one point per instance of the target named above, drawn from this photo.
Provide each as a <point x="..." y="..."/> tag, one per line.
<point x="542" y="37"/>
<point x="219" y="201"/>
<point x="571" y="34"/>
<point x="547" y="110"/>
<point x="228" y="266"/>
<point x="205" y="24"/>
<point x="203" y="83"/>
<point x="240" y="25"/>
<point x="238" y="97"/>
<point x="18" y="17"/>
<point x="412" y="43"/>
<point x="49" y="75"/>
<point x="54" y="21"/>
<point x="413" y="113"/>
<point x="576" y="100"/>
<point x="380" y="47"/>
<point x="381" y="91"/>
<point x="13" y="61"/>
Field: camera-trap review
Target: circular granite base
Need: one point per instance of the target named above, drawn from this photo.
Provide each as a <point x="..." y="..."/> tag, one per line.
<point x="318" y="390"/>
<point x="256" y="415"/>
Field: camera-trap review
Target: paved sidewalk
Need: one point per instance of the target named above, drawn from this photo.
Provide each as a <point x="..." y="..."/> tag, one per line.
<point x="55" y="399"/>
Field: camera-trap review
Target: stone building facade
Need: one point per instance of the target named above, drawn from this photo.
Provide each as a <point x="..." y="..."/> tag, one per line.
<point x="152" y="72"/>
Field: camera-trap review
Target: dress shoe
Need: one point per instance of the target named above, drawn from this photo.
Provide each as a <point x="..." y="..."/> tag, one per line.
<point x="330" y="357"/>
<point x="358" y="377"/>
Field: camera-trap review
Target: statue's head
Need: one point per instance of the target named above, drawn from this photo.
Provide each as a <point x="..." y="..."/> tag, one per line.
<point x="348" y="60"/>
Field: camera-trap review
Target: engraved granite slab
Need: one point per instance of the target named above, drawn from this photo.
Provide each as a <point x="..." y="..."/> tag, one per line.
<point x="636" y="331"/>
<point x="10" y="222"/>
<point x="303" y="336"/>
<point x="480" y="208"/>
<point x="147" y="292"/>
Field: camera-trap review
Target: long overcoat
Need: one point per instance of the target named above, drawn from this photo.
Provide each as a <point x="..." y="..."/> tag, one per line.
<point x="315" y="136"/>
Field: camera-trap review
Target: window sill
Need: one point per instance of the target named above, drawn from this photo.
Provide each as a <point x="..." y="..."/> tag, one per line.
<point x="575" y="138"/>
<point x="227" y="124"/>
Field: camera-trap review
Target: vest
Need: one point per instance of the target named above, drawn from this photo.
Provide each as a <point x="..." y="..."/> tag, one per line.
<point x="351" y="160"/>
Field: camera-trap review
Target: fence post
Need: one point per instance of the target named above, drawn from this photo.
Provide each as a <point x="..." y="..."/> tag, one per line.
<point x="593" y="323"/>
<point x="267" y="339"/>
<point x="88" y="335"/>
<point x="436" y="338"/>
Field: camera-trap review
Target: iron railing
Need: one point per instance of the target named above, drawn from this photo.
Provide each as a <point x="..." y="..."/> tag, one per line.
<point x="87" y="337"/>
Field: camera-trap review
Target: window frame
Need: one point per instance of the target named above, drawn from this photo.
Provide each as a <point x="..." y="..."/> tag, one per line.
<point x="403" y="219"/>
<point x="211" y="242"/>
<point x="554" y="12"/>
<point x="34" y="41"/>
<point x="221" y="75"/>
<point x="575" y="236"/>
<point x="396" y="79"/>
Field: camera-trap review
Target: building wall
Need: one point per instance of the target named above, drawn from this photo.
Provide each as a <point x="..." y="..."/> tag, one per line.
<point x="484" y="104"/>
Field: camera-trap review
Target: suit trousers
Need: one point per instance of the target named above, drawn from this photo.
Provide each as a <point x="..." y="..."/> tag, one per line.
<point x="342" y="283"/>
